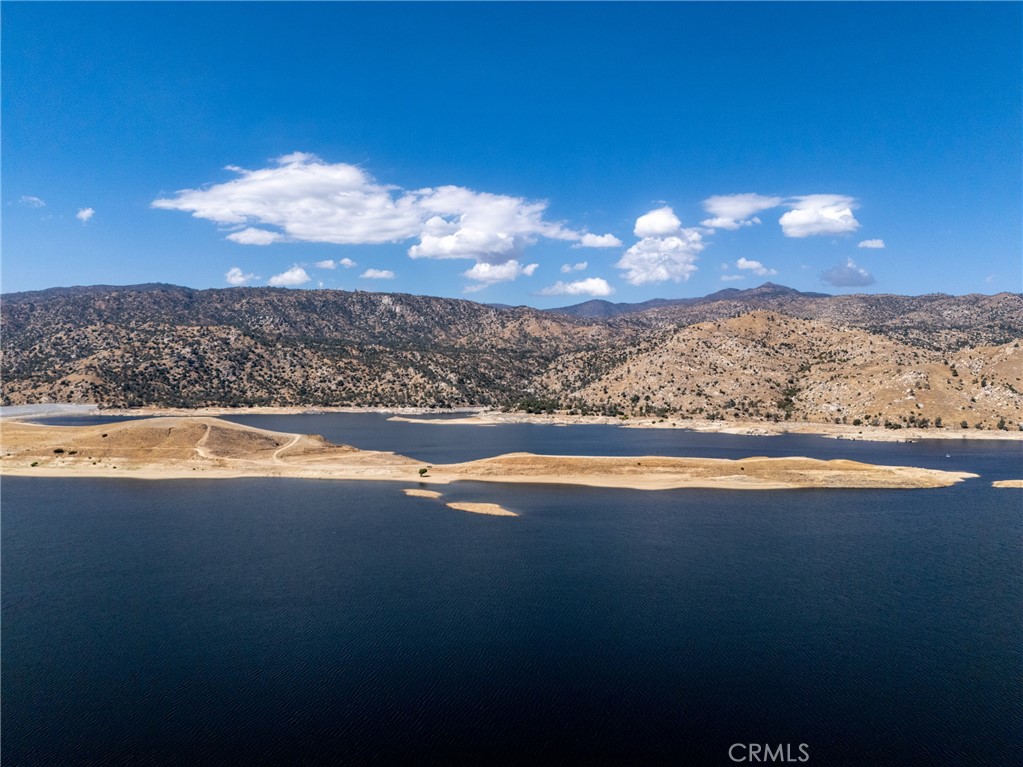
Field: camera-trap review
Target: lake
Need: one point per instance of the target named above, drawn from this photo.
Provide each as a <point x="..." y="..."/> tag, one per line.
<point x="292" y="621"/>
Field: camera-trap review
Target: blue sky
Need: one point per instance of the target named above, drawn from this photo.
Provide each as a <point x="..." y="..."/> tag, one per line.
<point x="517" y="153"/>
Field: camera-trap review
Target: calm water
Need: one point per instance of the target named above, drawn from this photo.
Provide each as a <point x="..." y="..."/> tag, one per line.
<point x="289" y="621"/>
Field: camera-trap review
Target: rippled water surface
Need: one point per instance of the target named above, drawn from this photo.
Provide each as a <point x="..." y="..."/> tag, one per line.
<point x="289" y="621"/>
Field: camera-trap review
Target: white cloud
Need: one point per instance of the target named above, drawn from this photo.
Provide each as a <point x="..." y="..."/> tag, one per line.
<point x="657" y="223"/>
<point x="85" y="214"/>
<point x="237" y="277"/>
<point x="251" y="236"/>
<point x="296" y="275"/>
<point x="730" y="211"/>
<point x="491" y="228"/>
<point x="732" y="277"/>
<point x="722" y="222"/>
<point x="755" y="266"/>
<point x="31" y="201"/>
<point x="485" y="274"/>
<point x="667" y="250"/>
<point x="330" y="263"/>
<point x="847" y="275"/>
<point x="568" y="268"/>
<point x="377" y="274"/>
<point x="871" y="244"/>
<point x="657" y="259"/>
<point x="598" y="241"/>
<point x="310" y="200"/>
<point x="815" y="214"/>
<point x="592" y="286"/>
<point x="296" y="157"/>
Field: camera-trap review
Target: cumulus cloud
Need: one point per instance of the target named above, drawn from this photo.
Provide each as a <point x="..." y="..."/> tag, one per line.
<point x="484" y="274"/>
<point x="667" y="250"/>
<point x="657" y="223"/>
<point x="592" y="286"/>
<point x="732" y="277"/>
<point x="84" y="214"/>
<point x="305" y="199"/>
<point x="568" y="268"/>
<point x="815" y="214"/>
<point x="31" y="201"/>
<point x="730" y="211"/>
<point x="871" y="244"/>
<point x="377" y="274"/>
<point x="251" y="236"/>
<point x="309" y="200"/>
<point x="330" y="263"/>
<point x="847" y="275"/>
<point x="657" y="259"/>
<point x="755" y="266"/>
<point x="296" y="275"/>
<point x="598" y="241"/>
<point x="237" y="277"/>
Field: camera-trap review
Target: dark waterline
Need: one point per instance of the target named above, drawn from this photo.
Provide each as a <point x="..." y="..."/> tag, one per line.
<point x="286" y="621"/>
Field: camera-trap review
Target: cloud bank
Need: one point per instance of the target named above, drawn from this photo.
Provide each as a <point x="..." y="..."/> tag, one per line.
<point x="305" y="199"/>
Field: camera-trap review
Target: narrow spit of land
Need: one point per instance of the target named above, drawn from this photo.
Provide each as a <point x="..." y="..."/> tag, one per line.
<point x="189" y="447"/>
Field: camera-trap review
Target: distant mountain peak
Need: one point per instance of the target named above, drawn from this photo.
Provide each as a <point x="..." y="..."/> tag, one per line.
<point x="597" y="308"/>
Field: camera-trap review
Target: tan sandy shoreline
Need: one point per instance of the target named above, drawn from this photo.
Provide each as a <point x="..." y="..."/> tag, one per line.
<point x="1008" y="483"/>
<point x="209" y="448"/>
<point x="747" y="428"/>
<point x="478" y="416"/>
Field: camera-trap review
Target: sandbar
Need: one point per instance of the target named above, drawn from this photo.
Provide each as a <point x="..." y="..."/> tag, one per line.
<point x="1007" y="483"/>
<point x="416" y="492"/>
<point x="491" y="509"/>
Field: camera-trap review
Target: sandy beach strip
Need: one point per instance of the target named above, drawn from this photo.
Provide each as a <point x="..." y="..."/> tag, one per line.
<point x="1008" y="483"/>
<point x="490" y="509"/>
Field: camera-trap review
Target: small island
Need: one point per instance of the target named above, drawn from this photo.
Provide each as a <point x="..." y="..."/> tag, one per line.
<point x="190" y="447"/>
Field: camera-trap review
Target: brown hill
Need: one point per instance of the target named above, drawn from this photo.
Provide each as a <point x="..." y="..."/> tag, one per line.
<point x="766" y="365"/>
<point x="770" y="352"/>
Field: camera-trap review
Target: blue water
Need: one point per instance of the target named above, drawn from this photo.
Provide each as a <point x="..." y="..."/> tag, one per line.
<point x="289" y="621"/>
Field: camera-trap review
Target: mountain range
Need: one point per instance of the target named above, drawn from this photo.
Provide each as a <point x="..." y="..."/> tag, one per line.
<point x="770" y="352"/>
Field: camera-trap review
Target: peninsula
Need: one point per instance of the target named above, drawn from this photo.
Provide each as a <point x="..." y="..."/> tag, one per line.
<point x="190" y="447"/>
